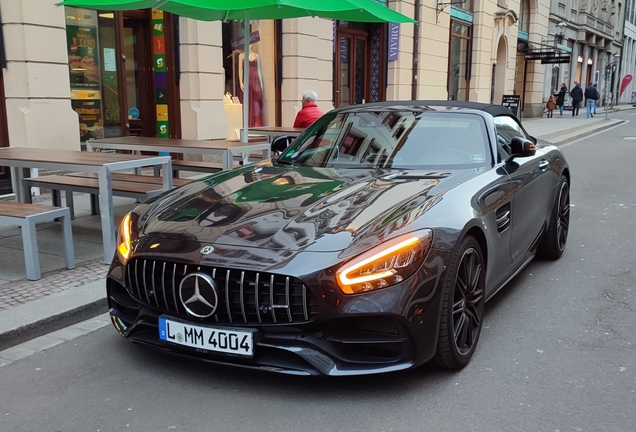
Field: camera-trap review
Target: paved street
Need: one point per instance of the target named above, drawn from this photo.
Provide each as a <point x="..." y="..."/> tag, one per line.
<point x="558" y="352"/>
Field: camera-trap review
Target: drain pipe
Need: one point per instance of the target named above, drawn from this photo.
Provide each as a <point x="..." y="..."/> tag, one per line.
<point x="416" y="50"/>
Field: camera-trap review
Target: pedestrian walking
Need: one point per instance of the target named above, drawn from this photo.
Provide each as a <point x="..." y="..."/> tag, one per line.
<point x="591" y="96"/>
<point x="577" y="96"/>
<point x="560" y="100"/>
<point x="551" y="105"/>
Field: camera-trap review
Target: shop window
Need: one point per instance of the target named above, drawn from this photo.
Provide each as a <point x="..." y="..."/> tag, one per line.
<point x="524" y="16"/>
<point x="262" y="73"/>
<point x="459" y="61"/>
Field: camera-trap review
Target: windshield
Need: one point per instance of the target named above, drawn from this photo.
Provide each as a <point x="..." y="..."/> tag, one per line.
<point x="393" y="139"/>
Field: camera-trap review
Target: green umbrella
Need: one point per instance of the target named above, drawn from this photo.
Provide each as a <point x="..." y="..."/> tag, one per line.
<point x="215" y="10"/>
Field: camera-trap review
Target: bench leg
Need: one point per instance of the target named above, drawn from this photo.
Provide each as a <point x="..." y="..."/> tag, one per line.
<point x="175" y="174"/>
<point x="94" y="204"/>
<point x="56" y="198"/>
<point x="69" y="254"/>
<point x="156" y="171"/>
<point x="70" y="203"/>
<point x="30" y="245"/>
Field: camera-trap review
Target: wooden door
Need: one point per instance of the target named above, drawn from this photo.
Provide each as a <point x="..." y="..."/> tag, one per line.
<point x="352" y="68"/>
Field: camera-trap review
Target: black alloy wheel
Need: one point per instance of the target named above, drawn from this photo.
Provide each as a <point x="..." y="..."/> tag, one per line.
<point x="463" y="307"/>
<point x="556" y="236"/>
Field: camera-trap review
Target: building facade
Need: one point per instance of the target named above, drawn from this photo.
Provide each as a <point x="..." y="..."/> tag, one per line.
<point x="72" y="74"/>
<point x="628" y="56"/>
<point x="591" y="31"/>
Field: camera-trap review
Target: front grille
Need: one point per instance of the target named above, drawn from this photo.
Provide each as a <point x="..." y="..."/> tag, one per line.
<point x="244" y="297"/>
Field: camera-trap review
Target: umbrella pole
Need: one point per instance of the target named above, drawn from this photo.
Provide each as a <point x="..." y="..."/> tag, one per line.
<point x="246" y="75"/>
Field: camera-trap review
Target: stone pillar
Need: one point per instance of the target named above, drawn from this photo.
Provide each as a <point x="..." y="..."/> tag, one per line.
<point x="307" y="64"/>
<point x="37" y="85"/>
<point x="434" y="40"/>
<point x="201" y="85"/>
<point x="400" y="73"/>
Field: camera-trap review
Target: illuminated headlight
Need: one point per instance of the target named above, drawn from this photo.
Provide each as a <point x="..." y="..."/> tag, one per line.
<point x="124" y="242"/>
<point x="385" y="265"/>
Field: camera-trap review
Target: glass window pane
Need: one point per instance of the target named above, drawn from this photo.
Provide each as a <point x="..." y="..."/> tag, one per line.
<point x="457" y="89"/>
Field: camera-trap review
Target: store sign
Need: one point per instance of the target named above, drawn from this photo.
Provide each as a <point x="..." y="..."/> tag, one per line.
<point x="237" y="43"/>
<point x="513" y="103"/>
<point x="547" y="57"/>
<point x="394" y="41"/>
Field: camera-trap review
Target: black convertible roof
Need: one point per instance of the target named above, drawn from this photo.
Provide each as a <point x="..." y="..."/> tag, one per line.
<point x="494" y="110"/>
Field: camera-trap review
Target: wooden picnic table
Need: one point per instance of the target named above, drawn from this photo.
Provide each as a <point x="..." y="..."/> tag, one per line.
<point x="20" y="159"/>
<point x="223" y="148"/>
<point x="273" y="131"/>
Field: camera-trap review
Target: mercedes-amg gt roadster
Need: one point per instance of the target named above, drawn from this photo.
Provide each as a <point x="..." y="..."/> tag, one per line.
<point x="368" y="245"/>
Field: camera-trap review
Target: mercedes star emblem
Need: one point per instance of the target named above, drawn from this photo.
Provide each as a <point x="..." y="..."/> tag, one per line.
<point x="197" y="292"/>
<point x="207" y="250"/>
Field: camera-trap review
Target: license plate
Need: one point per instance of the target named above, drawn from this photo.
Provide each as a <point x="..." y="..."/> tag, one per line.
<point x="238" y="342"/>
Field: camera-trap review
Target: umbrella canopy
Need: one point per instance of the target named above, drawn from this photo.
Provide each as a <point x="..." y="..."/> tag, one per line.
<point x="223" y="10"/>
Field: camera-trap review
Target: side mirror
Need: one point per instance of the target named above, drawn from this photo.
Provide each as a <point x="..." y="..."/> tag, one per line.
<point x="521" y="147"/>
<point x="280" y="144"/>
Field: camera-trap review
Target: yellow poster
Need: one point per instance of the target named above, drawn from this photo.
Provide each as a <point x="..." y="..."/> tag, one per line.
<point x="162" y="112"/>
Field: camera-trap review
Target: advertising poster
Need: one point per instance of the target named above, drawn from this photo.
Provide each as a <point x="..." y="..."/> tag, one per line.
<point x="89" y="112"/>
<point x="83" y="56"/>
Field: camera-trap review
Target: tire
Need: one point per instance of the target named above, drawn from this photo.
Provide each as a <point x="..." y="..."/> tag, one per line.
<point x="555" y="239"/>
<point x="462" y="307"/>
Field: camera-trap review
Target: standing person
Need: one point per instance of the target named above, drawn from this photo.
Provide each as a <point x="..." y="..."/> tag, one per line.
<point x="591" y="96"/>
<point x="577" y="96"/>
<point x="310" y="112"/>
<point x="560" y="100"/>
<point x="551" y="105"/>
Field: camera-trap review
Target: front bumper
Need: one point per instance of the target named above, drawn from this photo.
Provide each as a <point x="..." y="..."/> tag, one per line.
<point x="383" y="331"/>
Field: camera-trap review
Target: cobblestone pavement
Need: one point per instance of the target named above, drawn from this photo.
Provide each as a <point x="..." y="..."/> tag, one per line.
<point x="23" y="291"/>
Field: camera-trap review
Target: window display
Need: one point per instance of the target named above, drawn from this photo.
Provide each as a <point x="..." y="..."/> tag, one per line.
<point x="262" y="82"/>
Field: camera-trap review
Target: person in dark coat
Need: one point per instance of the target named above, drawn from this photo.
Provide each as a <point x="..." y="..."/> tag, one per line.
<point x="561" y="98"/>
<point x="591" y="96"/>
<point x="577" y="97"/>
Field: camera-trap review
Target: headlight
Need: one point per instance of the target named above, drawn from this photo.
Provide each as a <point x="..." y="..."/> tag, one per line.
<point x="385" y="265"/>
<point x="124" y="243"/>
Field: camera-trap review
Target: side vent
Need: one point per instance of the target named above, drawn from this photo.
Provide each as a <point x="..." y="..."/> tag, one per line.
<point x="502" y="217"/>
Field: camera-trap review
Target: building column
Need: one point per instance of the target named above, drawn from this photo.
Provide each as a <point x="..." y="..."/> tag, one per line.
<point x="37" y="84"/>
<point x="201" y="83"/>
<point x="307" y="64"/>
<point x="400" y="73"/>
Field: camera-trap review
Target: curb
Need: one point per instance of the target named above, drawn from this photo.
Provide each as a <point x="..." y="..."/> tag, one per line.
<point x="579" y="133"/>
<point x="53" y="312"/>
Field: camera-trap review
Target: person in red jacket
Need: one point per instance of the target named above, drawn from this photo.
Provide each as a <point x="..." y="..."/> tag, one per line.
<point x="310" y="112"/>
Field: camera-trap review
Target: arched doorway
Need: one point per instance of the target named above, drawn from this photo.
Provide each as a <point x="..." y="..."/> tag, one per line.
<point x="500" y="70"/>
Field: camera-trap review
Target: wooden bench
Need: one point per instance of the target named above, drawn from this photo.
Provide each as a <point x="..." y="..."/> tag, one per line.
<point x="141" y="189"/>
<point x="26" y="216"/>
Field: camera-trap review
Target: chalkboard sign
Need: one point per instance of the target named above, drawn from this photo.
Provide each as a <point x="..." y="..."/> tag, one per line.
<point x="513" y="103"/>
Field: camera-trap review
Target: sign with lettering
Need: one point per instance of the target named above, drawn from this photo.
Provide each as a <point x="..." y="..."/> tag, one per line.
<point x="513" y="103"/>
<point x="548" y="57"/>
<point x="238" y="43"/>
<point x="394" y="41"/>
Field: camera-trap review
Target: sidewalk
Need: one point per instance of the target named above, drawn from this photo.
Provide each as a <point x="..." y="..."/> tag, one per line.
<point x="63" y="297"/>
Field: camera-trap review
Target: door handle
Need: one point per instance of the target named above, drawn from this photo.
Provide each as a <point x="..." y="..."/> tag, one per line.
<point x="544" y="164"/>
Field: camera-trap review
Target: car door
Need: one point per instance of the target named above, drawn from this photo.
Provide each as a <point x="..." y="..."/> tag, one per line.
<point x="533" y="190"/>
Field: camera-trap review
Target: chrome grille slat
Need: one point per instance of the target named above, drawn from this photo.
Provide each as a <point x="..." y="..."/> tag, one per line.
<point x="227" y="295"/>
<point x="244" y="292"/>
<point x="271" y="297"/>
<point x="174" y="287"/>
<point x="242" y="298"/>
<point x="154" y="287"/>
<point x="145" y="286"/>
<point x="163" y="286"/>
<point x="257" y="301"/>
<point x="289" y="314"/>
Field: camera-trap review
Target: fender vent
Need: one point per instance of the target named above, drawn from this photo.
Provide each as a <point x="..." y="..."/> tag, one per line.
<point x="502" y="217"/>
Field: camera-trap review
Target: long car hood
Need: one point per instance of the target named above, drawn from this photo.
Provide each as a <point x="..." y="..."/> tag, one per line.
<point x="297" y="208"/>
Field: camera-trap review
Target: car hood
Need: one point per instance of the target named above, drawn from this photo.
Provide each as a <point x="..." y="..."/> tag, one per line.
<point x="298" y="208"/>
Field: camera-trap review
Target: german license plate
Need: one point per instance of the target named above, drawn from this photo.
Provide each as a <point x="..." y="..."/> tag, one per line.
<point x="218" y="339"/>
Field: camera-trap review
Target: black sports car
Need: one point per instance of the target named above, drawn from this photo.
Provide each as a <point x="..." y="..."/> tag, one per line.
<point x="369" y="245"/>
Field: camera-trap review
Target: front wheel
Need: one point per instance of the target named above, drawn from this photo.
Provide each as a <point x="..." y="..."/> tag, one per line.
<point x="556" y="236"/>
<point x="462" y="308"/>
